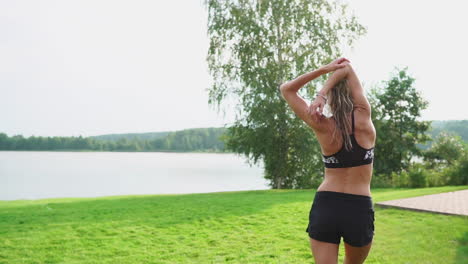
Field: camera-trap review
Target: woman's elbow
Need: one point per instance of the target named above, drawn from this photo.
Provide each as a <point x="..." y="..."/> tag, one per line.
<point x="283" y="87"/>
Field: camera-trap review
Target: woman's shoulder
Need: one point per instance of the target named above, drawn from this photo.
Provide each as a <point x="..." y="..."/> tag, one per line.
<point x="362" y="117"/>
<point x="365" y="128"/>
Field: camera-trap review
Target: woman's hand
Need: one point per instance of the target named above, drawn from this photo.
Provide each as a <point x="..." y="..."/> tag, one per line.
<point x="336" y="64"/>
<point x="316" y="108"/>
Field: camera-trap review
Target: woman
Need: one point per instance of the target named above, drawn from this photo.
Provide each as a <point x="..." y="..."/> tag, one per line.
<point x="342" y="205"/>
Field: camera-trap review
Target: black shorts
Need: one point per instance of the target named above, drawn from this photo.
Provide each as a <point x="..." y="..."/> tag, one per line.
<point x="335" y="214"/>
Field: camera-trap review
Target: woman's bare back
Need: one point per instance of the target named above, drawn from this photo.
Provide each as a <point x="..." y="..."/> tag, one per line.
<point x="355" y="180"/>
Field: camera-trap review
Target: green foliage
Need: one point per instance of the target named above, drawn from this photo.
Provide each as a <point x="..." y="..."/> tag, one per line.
<point x="445" y="150"/>
<point x="381" y="181"/>
<point x="133" y="136"/>
<point x="446" y="161"/>
<point x="458" y="127"/>
<point x="197" y="139"/>
<point x="451" y="127"/>
<point x="431" y="173"/>
<point x="254" y="47"/>
<point x="417" y="176"/>
<point x="458" y="173"/>
<point x="436" y="177"/>
<point x="399" y="179"/>
<point x="395" y="111"/>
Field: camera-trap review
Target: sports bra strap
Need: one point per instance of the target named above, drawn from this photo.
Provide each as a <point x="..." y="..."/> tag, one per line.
<point x="352" y="116"/>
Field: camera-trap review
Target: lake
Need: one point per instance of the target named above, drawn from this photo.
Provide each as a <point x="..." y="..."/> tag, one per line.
<point x="49" y="174"/>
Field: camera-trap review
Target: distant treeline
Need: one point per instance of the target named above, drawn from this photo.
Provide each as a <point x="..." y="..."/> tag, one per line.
<point x="458" y="127"/>
<point x="453" y="127"/>
<point x="188" y="140"/>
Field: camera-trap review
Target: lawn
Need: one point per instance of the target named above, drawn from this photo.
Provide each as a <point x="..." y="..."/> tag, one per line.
<point x="226" y="227"/>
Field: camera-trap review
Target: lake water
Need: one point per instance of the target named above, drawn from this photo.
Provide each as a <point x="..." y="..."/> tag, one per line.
<point x="44" y="174"/>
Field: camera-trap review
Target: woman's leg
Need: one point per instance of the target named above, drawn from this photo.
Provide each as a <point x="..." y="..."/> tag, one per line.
<point x="324" y="235"/>
<point x="358" y="229"/>
<point x="324" y="252"/>
<point x="356" y="255"/>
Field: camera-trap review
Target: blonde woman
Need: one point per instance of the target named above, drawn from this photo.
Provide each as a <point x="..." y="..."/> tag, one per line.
<point x="342" y="205"/>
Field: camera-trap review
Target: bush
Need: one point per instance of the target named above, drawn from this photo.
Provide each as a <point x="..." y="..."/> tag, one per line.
<point x="381" y="181"/>
<point x="400" y="179"/>
<point x="445" y="151"/>
<point x="458" y="173"/>
<point x="417" y="175"/>
<point x="436" y="177"/>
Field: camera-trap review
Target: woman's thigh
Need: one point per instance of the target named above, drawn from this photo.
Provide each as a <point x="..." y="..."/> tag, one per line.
<point x="356" y="255"/>
<point x="324" y="252"/>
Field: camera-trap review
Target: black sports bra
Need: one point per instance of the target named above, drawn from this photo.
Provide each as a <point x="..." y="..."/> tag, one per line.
<point x="357" y="156"/>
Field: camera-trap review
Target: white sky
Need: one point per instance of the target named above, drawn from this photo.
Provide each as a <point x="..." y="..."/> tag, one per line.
<point x="70" y="68"/>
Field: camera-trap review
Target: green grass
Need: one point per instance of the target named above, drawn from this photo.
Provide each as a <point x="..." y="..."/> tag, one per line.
<point x="229" y="227"/>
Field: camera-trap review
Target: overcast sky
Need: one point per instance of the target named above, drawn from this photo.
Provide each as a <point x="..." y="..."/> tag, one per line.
<point x="70" y="68"/>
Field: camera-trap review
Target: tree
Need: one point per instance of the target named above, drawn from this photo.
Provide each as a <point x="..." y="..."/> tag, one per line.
<point x="255" y="46"/>
<point x="396" y="109"/>
<point x="459" y="127"/>
<point x="4" y="144"/>
<point x="446" y="149"/>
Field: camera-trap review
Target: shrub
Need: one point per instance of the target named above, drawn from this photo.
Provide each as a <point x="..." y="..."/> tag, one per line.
<point x="458" y="173"/>
<point x="436" y="177"/>
<point x="445" y="151"/>
<point x="400" y="179"/>
<point x="381" y="181"/>
<point x="417" y="175"/>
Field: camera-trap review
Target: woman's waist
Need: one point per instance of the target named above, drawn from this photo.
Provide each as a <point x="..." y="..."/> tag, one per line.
<point x="345" y="202"/>
<point x="332" y="195"/>
<point x="360" y="174"/>
<point x="353" y="185"/>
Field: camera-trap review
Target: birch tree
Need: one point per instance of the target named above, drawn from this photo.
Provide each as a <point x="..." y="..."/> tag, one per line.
<point x="254" y="46"/>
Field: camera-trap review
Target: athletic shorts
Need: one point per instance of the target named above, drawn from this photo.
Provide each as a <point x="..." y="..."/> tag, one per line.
<point x="335" y="214"/>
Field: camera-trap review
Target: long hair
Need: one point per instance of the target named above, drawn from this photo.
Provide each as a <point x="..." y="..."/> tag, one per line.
<point x="341" y="105"/>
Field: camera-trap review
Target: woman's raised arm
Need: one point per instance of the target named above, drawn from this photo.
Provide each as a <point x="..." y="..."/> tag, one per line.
<point x="357" y="92"/>
<point x="297" y="103"/>
<point x="296" y="84"/>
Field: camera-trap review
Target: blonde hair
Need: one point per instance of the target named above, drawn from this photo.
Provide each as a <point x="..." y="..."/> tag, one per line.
<point x="341" y="105"/>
